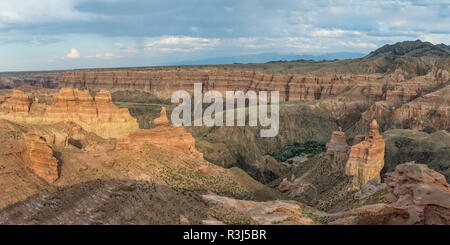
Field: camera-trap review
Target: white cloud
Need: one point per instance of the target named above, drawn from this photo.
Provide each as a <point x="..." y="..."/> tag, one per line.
<point x="39" y="11"/>
<point x="248" y="42"/>
<point x="107" y="56"/>
<point x="73" y="54"/>
<point x="436" y="38"/>
<point x="174" y="44"/>
<point x="358" y="44"/>
<point x="333" y="33"/>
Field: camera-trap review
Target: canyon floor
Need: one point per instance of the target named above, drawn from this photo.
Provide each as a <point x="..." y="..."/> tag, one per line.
<point x="362" y="141"/>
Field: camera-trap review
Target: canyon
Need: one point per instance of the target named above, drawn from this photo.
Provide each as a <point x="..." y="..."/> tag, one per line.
<point x="291" y="88"/>
<point x="100" y="138"/>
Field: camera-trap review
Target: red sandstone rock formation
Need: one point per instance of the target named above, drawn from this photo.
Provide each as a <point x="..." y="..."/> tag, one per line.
<point x="162" y="119"/>
<point x="99" y="116"/>
<point x="366" y="158"/>
<point x="41" y="80"/>
<point x="432" y="109"/>
<point x="39" y="158"/>
<point x="18" y="101"/>
<point x="264" y="213"/>
<point x="337" y="151"/>
<point x="422" y="191"/>
<point x="162" y="136"/>
<point x="284" y="185"/>
<point x="291" y="87"/>
<point x="358" y="139"/>
<point x="417" y="196"/>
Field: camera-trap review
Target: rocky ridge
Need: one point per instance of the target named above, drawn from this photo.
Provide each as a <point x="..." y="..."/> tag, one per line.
<point x="98" y="115"/>
<point x="291" y="87"/>
<point x="417" y="196"/>
<point x="264" y="213"/>
<point x="432" y="110"/>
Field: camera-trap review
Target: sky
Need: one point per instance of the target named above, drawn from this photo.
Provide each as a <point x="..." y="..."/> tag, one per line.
<point x="69" y="34"/>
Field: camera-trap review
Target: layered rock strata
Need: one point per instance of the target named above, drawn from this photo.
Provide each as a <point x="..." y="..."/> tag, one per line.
<point x="163" y="136"/>
<point x="39" y="158"/>
<point x="366" y="159"/>
<point x="16" y="102"/>
<point x="432" y="109"/>
<point x="337" y="151"/>
<point x="99" y="115"/>
<point x="291" y="87"/>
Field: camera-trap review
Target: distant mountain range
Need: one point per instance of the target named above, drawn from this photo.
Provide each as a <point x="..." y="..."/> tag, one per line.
<point x="270" y="57"/>
<point x="401" y="49"/>
<point x="412" y="49"/>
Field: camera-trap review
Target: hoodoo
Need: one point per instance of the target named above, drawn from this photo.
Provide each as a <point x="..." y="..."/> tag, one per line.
<point x="162" y="119"/>
<point x="366" y="158"/>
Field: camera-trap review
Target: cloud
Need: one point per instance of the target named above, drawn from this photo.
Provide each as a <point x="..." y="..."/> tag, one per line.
<point x="148" y="32"/>
<point x="173" y="44"/>
<point x="358" y="44"/>
<point x="39" y="11"/>
<point x="333" y="33"/>
<point x="107" y="55"/>
<point x="73" y="54"/>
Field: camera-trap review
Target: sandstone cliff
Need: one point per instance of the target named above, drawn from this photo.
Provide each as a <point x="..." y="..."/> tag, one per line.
<point x="162" y="136"/>
<point x="432" y="110"/>
<point x="337" y="151"/>
<point x="16" y="102"/>
<point x="39" y="158"/>
<point x="366" y="158"/>
<point x="291" y="87"/>
<point x="99" y="115"/>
